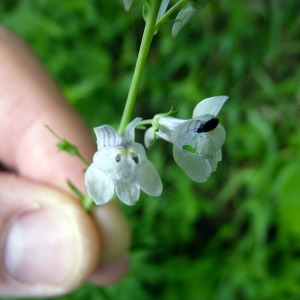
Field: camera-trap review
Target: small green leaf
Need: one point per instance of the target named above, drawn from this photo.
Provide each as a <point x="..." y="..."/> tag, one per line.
<point x="172" y="112"/>
<point x="64" y="145"/>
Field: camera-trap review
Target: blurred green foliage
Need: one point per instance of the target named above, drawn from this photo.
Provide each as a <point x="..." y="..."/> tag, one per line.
<point x="237" y="236"/>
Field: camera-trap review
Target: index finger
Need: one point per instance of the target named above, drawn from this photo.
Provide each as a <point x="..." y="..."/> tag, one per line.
<point x="29" y="100"/>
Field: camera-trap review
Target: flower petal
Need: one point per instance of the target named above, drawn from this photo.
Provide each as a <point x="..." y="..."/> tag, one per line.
<point x="149" y="179"/>
<point x="162" y="9"/>
<point x="214" y="159"/>
<point x="205" y="143"/>
<point x="130" y="130"/>
<point x="209" y="106"/>
<point x="197" y="152"/>
<point x="182" y="18"/>
<point x="197" y="168"/>
<point x="107" y="136"/>
<point x="116" y="163"/>
<point x="127" y="192"/>
<point x="99" y="187"/>
<point x="167" y="126"/>
<point x="149" y="137"/>
<point x="127" y="4"/>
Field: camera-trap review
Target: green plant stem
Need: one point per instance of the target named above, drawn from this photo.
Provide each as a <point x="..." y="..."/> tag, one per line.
<point x="145" y="122"/>
<point x="140" y="64"/>
<point x="67" y="146"/>
<point x="165" y="17"/>
<point x="83" y="159"/>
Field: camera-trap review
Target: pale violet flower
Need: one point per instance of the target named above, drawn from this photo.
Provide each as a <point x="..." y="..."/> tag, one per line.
<point x="120" y="166"/>
<point x="196" y="142"/>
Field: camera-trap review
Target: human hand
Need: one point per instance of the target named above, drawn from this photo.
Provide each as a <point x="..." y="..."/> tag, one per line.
<point x="48" y="244"/>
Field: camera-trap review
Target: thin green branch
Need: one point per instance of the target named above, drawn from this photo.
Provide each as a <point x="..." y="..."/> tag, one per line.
<point x="65" y="145"/>
<point x="145" y="122"/>
<point x="165" y="17"/>
<point x="140" y="64"/>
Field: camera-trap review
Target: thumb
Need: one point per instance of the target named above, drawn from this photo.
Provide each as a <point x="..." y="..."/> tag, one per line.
<point x="48" y="244"/>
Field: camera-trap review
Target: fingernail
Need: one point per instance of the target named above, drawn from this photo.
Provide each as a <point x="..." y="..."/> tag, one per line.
<point x="41" y="248"/>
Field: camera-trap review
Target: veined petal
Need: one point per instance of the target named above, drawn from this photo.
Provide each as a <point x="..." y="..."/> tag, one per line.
<point x="149" y="179"/>
<point x="167" y="126"/>
<point x="128" y="192"/>
<point x="197" y="168"/>
<point x="209" y="106"/>
<point x="170" y="123"/>
<point x="99" y="187"/>
<point x="182" y="18"/>
<point x="130" y="131"/>
<point x="107" y="136"/>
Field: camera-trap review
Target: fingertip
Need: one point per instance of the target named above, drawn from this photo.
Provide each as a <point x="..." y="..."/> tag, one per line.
<point x="48" y="245"/>
<point x="115" y="231"/>
<point x="111" y="272"/>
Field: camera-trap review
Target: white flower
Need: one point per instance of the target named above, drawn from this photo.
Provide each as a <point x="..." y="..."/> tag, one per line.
<point x="120" y="166"/>
<point x="183" y="17"/>
<point x="197" y="141"/>
<point x="127" y="4"/>
<point x="187" y="13"/>
<point x="163" y="7"/>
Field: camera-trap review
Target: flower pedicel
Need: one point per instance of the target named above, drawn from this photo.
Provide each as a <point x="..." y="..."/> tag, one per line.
<point x="196" y="142"/>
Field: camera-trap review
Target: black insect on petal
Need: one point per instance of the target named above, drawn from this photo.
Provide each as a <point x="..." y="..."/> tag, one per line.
<point x="208" y="126"/>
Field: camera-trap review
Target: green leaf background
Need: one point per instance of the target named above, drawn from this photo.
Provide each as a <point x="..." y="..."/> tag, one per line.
<point x="237" y="236"/>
